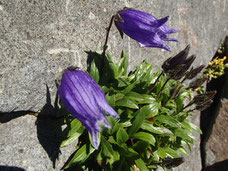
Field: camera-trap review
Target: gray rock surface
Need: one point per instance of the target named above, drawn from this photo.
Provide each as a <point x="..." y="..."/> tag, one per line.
<point x="39" y="39"/>
<point x="21" y="145"/>
<point x="216" y="145"/>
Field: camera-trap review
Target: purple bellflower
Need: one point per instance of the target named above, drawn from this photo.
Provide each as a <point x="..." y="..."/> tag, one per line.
<point x="147" y="30"/>
<point x="86" y="101"/>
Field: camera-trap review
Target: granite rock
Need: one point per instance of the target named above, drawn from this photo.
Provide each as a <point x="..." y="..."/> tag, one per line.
<point x="39" y="39"/>
<point x="30" y="143"/>
<point x="216" y="145"/>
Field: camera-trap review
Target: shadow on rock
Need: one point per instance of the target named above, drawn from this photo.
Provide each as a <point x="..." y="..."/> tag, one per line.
<point x="219" y="166"/>
<point x="49" y="129"/>
<point x="11" y="168"/>
<point x="6" y="117"/>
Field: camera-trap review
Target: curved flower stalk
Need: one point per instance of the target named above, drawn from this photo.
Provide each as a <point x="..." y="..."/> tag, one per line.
<point x="146" y="29"/>
<point x="86" y="101"/>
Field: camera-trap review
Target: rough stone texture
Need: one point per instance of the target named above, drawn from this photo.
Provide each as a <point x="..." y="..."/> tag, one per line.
<point x="216" y="146"/>
<point x="39" y="39"/>
<point x="23" y="144"/>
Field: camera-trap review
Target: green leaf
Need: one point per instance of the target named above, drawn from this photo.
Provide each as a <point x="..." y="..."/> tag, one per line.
<point x="191" y="127"/>
<point x="155" y="156"/>
<point x="134" y="96"/>
<point x="121" y="136"/>
<point x="113" y="69"/>
<point x="148" y="126"/>
<point x="147" y="99"/>
<point x="74" y="126"/>
<point x="145" y="112"/>
<point x="169" y="120"/>
<point x="129" y="87"/>
<point x="126" y="124"/>
<point x="94" y="72"/>
<point x="141" y="165"/>
<point x="119" y="96"/>
<point x="116" y="127"/>
<point x="72" y="132"/>
<point x="195" y="128"/>
<point x="111" y="99"/>
<point x="93" y="69"/>
<point x="107" y="149"/>
<point x="172" y="152"/>
<point x="151" y="110"/>
<point x="127" y="103"/>
<point x="112" y="140"/>
<point x="161" y="153"/>
<point x="141" y="146"/>
<point x="124" y="56"/>
<point x="72" y="138"/>
<point x="183" y="151"/>
<point x="145" y="137"/>
<point x="128" y="153"/>
<point x="81" y="155"/>
<point x="136" y="124"/>
<point x="184" y="134"/>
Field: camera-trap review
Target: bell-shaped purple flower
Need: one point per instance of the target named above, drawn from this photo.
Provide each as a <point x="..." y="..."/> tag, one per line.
<point x="86" y="101"/>
<point x="144" y="28"/>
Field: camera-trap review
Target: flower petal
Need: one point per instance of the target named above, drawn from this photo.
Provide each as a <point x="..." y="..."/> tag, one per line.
<point x="85" y="100"/>
<point x="146" y="29"/>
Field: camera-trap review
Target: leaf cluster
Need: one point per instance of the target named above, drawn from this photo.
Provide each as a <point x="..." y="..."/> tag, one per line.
<point x="152" y="130"/>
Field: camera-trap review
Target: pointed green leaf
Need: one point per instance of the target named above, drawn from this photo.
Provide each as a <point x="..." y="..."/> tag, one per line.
<point x="183" y="151"/>
<point x="107" y="149"/>
<point x="121" y="136"/>
<point x="73" y="137"/>
<point x="141" y="165"/>
<point x="94" y="72"/>
<point x="169" y="120"/>
<point x="184" y="134"/>
<point x="141" y="146"/>
<point x="124" y="56"/>
<point x="72" y="133"/>
<point x="192" y="127"/>
<point x="148" y="126"/>
<point x="116" y="127"/>
<point x="126" y="124"/>
<point x="145" y="137"/>
<point x="129" y="87"/>
<point x="134" y="96"/>
<point x="155" y="156"/>
<point x="140" y="115"/>
<point x="128" y="153"/>
<point x="172" y="152"/>
<point x="147" y="99"/>
<point x="127" y="103"/>
<point x="81" y="155"/>
<point x="161" y="153"/>
<point x="113" y="69"/>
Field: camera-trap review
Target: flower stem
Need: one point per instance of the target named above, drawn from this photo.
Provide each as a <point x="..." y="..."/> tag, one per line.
<point x="107" y="36"/>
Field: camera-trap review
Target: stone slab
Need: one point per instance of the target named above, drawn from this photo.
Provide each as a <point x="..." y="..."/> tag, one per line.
<point x="216" y="146"/>
<point x="31" y="144"/>
<point x="39" y="39"/>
